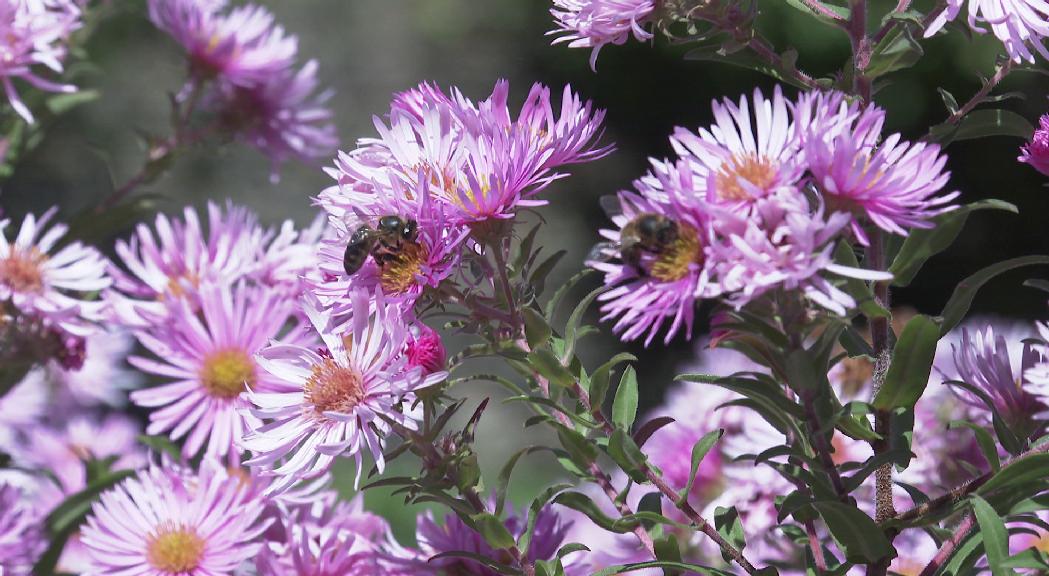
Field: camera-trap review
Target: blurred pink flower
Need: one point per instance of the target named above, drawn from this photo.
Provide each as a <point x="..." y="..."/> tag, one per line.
<point x="168" y="522"/>
<point x="1020" y="24"/>
<point x="34" y="33"/>
<point x="22" y="540"/>
<point x="64" y="450"/>
<point x="1036" y="152"/>
<point x="595" y="23"/>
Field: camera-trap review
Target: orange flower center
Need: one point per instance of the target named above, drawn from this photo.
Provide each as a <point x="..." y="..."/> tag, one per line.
<point x="333" y="388"/>
<point x="23" y="272"/>
<point x="398" y="275"/>
<point x="226" y="373"/>
<point x="757" y="170"/>
<point x="175" y="550"/>
<point x="675" y="260"/>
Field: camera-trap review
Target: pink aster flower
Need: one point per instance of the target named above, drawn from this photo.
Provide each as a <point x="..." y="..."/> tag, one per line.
<point x="34" y="34"/>
<point x="290" y="254"/>
<point x="53" y="286"/>
<point x="209" y="362"/>
<point x="894" y="184"/>
<point x="169" y="522"/>
<point x="241" y="45"/>
<point x="1020" y="24"/>
<point x="985" y="361"/>
<point x="343" y="539"/>
<point x="455" y="536"/>
<point x="173" y="259"/>
<point x="595" y="23"/>
<point x="750" y="152"/>
<point x="1036" y="152"/>
<point x="327" y="403"/>
<point x="663" y="282"/>
<point x="21" y="408"/>
<point x="21" y="539"/>
<point x="64" y="450"/>
<point x="282" y="116"/>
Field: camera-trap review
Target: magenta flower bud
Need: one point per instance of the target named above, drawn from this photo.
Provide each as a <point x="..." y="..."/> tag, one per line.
<point x="426" y="350"/>
<point x="1036" y="152"/>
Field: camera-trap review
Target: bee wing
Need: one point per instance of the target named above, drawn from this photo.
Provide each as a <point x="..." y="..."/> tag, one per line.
<point x="602" y="252"/>
<point x="610" y="204"/>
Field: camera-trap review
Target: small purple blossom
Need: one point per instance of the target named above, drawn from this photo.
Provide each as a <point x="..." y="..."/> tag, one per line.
<point x="33" y="35"/>
<point x="1036" y="152"/>
<point x="1021" y="25"/>
<point x="21" y="538"/>
<point x="425" y="349"/>
<point x="595" y="23"/>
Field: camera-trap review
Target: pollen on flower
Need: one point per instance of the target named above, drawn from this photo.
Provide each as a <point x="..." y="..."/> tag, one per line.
<point x="757" y="170"/>
<point x="225" y="373"/>
<point x="175" y="549"/>
<point x="398" y="274"/>
<point x="675" y="260"/>
<point x="22" y="271"/>
<point x="333" y="388"/>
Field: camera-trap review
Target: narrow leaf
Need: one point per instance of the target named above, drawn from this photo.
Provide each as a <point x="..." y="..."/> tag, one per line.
<point x="912" y="358"/>
<point x="624" y="407"/>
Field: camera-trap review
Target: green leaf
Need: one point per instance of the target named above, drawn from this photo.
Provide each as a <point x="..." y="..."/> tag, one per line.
<point x="699" y="451"/>
<point x="582" y="503"/>
<point x="537" y="331"/>
<point x="857" y="535"/>
<point x="161" y="445"/>
<point x="493" y="530"/>
<point x="576" y="318"/>
<point x="62" y="103"/>
<point x="479" y="558"/>
<point x="545" y="363"/>
<point x="924" y="243"/>
<point x="1021" y="470"/>
<point x="624" y="407"/>
<point x="980" y="124"/>
<point x="668" y="550"/>
<point x="995" y="537"/>
<point x="948" y="100"/>
<point x="696" y="568"/>
<point x="898" y="50"/>
<point x="601" y="378"/>
<point x="627" y="455"/>
<point x="555" y="301"/>
<point x="728" y="524"/>
<point x="984" y="440"/>
<point x="912" y="358"/>
<point x="958" y="306"/>
<point x="842" y="12"/>
<point x="538" y="278"/>
<point x="578" y="447"/>
<point x="537" y="505"/>
<point x="783" y="69"/>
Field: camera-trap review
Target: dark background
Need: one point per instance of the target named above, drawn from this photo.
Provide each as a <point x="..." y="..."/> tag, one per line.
<point x="370" y="48"/>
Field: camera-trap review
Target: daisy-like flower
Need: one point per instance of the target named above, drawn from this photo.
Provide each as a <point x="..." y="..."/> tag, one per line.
<point x="63" y="451"/>
<point x="661" y="244"/>
<point x="750" y="152"/>
<point x="282" y="116"/>
<point x="241" y="45"/>
<point x="326" y="403"/>
<point x="33" y="34"/>
<point x="320" y="539"/>
<point x="418" y="265"/>
<point x="454" y="535"/>
<point x="289" y="255"/>
<point x="785" y="247"/>
<point x="1021" y="25"/>
<point x="984" y="360"/>
<point x="103" y="378"/>
<point x="171" y="261"/>
<point x="210" y="359"/>
<point x="894" y="184"/>
<point x="52" y="286"/>
<point x="21" y="539"/>
<point x="170" y="522"/>
<point x="595" y="23"/>
<point x="1036" y="152"/>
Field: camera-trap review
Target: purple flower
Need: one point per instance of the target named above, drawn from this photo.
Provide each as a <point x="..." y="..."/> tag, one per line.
<point x="21" y="538"/>
<point x="1036" y="152"/>
<point x="170" y="522"/>
<point x="103" y="379"/>
<point x="209" y="362"/>
<point x="281" y="116"/>
<point x="343" y="539"/>
<point x="425" y="349"/>
<point x="894" y="184"/>
<point x="650" y="287"/>
<point x="21" y="408"/>
<point x="33" y="34"/>
<point x="985" y="361"/>
<point x="50" y="285"/>
<point x="594" y="23"/>
<point x="1020" y="24"/>
<point x="453" y="535"/>
<point x="327" y="403"/>
<point x="241" y="46"/>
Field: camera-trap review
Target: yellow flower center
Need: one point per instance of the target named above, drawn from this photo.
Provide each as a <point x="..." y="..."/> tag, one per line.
<point x="226" y="373"/>
<point x="674" y="261"/>
<point x="333" y="388"/>
<point x="398" y="275"/>
<point x="23" y="272"/>
<point x="175" y="550"/>
<point x="757" y="170"/>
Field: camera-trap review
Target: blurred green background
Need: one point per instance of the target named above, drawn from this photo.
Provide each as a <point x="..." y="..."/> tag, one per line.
<point x="369" y="49"/>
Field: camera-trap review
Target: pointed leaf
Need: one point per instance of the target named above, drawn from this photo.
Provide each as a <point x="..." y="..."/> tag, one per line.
<point x="958" y="306"/>
<point x="912" y="358"/>
<point x="624" y="407"/>
<point x="995" y="537"/>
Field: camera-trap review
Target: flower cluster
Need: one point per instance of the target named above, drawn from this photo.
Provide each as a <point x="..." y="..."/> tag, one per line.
<point x="34" y="34"/>
<point x="757" y="203"/>
<point x="242" y="68"/>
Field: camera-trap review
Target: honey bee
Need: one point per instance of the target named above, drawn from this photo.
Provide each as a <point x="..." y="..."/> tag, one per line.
<point x="646" y="232"/>
<point x="383" y="243"/>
